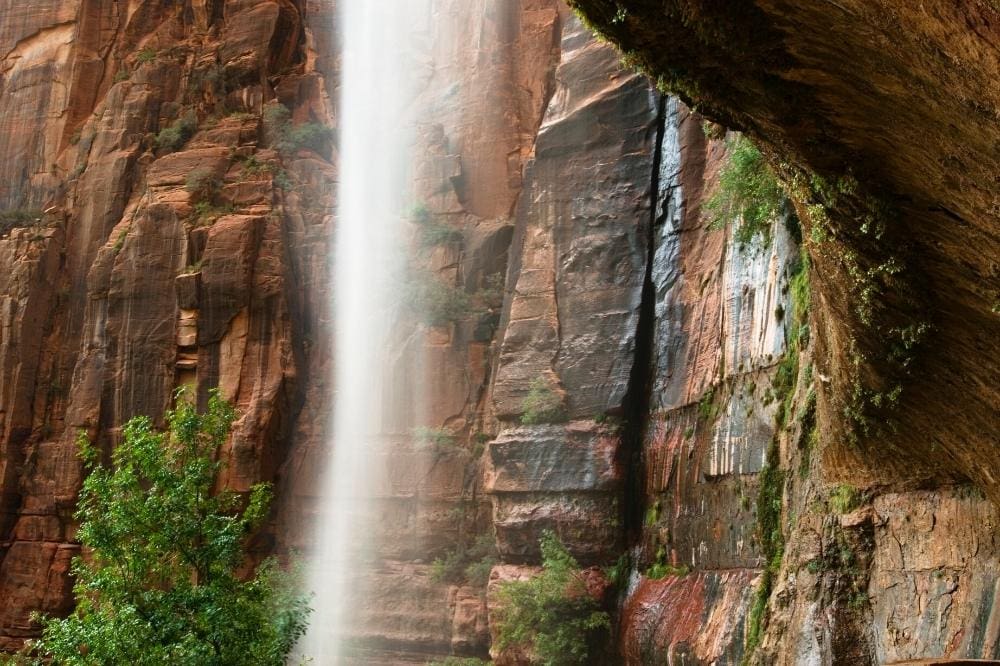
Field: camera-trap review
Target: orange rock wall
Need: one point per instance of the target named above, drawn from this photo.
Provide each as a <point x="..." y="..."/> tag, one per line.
<point x="575" y="190"/>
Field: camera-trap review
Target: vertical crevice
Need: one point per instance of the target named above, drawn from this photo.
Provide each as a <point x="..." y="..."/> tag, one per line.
<point x="637" y="398"/>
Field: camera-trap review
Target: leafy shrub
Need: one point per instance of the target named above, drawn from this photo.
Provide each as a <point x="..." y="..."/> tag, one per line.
<point x="203" y="184"/>
<point x="660" y="569"/>
<point x="283" y="180"/>
<point x="17" y="218"/>
<point x="435" y="303"/>
<point x="748" y="192"/>
<point x="120" y="241"/>
<point x="551" y="614"/>
<point x="162" y="582"/>
<point x="491" y="295"/>
<point x="706" y="406"/>
<point x="652" y="514"/>
<point x="146" y="55"/>
<point x="439" y="438"/>
<point x="618" y="572"/>
<point x="311" y="135"/>
<point x="173" y="137"/>
<point x="206" y="212"/>
<point x="287" y="138"/>
<point x="470" y="562"/>
<point x="430" y="230"/>
<point x="844" y="499"/>
<point x="458" y="661"/>
<point x="542" y="404"/>
<point x="254" y="167"/>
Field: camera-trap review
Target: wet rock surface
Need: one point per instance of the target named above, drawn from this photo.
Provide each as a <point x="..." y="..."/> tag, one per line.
<point x="574" y="192"/>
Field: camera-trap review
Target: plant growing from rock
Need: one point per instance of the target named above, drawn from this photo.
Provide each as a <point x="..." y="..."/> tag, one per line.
<point x="552" y="614"/>
<point x="287" y="138"/>
<point x="542" y="404"/>
<point x="470" y="562"/>
<point x="844" y="498"/>
<point x="435" y="303"/>
<point x="660" y="568"/>
<point x="162" y="581"/>
<point x="748" y="192"/>
<point x="173" y="137"/>
<point x="203" y="185"/>
<point x="430" y="230"/>
<point x="18" y="218"/>
<point x="438" y="438"/>
<point x="146" y="55"/>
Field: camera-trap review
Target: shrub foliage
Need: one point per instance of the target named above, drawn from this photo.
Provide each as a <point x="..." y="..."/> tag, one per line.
<point x="287" y="138"/>
<point x="748" y="192"/>
<point x="160" y="583"/>
<point x="173" y="137"/>
<point x="551" y="614"/>
<point x="17" y="218"/>
<point x="542" y="404"/>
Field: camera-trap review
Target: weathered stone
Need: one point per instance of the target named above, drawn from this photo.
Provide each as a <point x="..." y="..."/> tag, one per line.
<point x="579" y="276"/>
<point x="578" y="457"/>
<point x="687" y="619"/>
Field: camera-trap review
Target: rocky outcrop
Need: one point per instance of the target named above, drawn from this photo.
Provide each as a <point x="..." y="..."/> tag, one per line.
<point x="611" y="369"/>
<point x="868" y="111"/>
<point x="901" y="227"/>
<point x="137" y="280"/>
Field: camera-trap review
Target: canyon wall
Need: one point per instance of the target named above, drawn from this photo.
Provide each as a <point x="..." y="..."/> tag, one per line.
<point x="698" y="427"/>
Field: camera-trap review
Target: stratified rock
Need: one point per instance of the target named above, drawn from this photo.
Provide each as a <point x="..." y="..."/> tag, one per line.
<point x="581" y="242"/>
<point x="697" y="618"/>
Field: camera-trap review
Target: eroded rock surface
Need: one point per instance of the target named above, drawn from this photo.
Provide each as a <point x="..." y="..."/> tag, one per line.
<point x="573" y="190"/>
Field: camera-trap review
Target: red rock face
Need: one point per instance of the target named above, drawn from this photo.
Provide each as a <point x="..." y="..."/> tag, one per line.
<point x="575" y="191"/>
<point x="123" y="291"/>
<point x="704" y="615"/>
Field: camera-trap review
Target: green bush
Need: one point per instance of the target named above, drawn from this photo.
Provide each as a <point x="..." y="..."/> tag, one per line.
<point x="254" y="167"/>
<point x="203" y="184"/>
<point x="660" y="569"/>
<point x="706" y="406"/>
<point x="206" y="212"/>
<point x="146" y="55"/>
<point x="287" y="138"/>
<point x="163" y="580"/>
<point x="551" y="614"/>
<point x="18" y="218"/>
<point x="491" y="295"/>
<point x="542" y="404"/>
<point x="748" y="192"/>
<point x="173" y="137"/>
<point x="469" y="563"/>
<point x="844" y="498"/>
<point x="439" y="438"/>
<point x="458" y="661"/>
<point x="435" y="303"/>
<point x="430" y="230"/>
<point x="652" y="514"/>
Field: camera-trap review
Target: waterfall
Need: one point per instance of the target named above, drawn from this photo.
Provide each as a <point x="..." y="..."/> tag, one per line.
<point x="377" y="87"/>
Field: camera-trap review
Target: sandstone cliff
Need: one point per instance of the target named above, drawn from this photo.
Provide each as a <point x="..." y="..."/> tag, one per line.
<point x="703" y="429"/>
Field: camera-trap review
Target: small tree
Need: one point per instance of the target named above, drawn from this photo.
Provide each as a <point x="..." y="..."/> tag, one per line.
<point x="552" y="614"/>
<point x="159" y="581"/>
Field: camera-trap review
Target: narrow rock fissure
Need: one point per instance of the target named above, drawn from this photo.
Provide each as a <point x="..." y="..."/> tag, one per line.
<point x="637" y="398"/>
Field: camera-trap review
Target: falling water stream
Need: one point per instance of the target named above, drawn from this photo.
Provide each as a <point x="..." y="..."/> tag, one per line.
<point x="376" y="92"/>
